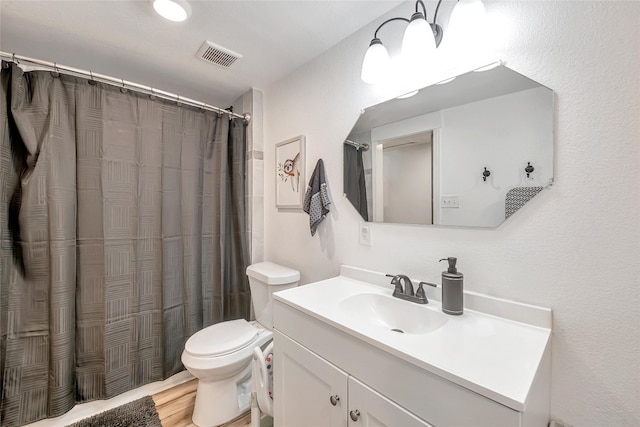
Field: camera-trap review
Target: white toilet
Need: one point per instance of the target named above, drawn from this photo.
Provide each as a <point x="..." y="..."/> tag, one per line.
<point x="220" y="355"/>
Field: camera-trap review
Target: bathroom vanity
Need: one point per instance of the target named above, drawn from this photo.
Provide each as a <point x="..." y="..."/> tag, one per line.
<point x="348" y="354"/>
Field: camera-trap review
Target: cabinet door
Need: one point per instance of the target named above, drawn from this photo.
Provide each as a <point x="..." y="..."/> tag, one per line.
<point x="308" y="390"/>
<point x="368" y="408"/>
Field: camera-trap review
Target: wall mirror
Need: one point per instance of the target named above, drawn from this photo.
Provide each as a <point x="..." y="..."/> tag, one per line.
<point x="467" y="152"/>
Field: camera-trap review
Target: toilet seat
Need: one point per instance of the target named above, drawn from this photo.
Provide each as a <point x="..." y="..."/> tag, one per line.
<point x="221" y="339"/>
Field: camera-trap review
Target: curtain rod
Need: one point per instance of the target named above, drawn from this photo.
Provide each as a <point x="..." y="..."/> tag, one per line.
<point x="358" y="145"/>
<point x="120" y="82"/>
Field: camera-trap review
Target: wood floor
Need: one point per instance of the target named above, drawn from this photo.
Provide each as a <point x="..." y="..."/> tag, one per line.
<point x="175" y="407"/>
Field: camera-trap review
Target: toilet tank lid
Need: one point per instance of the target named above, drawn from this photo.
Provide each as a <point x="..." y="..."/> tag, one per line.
<point x="272" y="274"/>
<point x="221" y="338"/>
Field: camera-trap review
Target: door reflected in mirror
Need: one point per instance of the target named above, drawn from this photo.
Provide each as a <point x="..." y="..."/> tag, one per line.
<point x="405" y="184"/>
<point x="422" y="160"/>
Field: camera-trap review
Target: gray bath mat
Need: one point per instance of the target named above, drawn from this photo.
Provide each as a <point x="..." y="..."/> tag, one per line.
<point x="139" y="413"/>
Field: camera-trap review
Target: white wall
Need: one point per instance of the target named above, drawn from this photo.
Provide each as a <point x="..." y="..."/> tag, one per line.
<point x="574" y="248"/>
<point x="251" y="103"/>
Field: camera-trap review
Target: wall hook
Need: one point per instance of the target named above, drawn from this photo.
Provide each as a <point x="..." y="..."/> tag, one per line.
<point x="529" y="169"/>
<point x="485" y="174"/>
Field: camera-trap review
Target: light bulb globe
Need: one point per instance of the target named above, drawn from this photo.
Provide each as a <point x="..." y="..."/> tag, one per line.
<point x="418" y="43"/>
<point x="376" y="63"/>
<point x="468" y="22"/>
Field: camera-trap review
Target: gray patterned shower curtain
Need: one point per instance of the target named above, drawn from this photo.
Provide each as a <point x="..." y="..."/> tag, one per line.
<point x="122" y="232"/>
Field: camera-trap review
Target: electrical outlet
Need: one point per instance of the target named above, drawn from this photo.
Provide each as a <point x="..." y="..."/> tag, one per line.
<point x="449" y="202"/>
<point x="364" y="234"/>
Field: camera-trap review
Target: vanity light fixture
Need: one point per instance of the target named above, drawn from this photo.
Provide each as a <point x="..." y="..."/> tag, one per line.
<point x="173" y="10"/>
<point x="421" y="38"/>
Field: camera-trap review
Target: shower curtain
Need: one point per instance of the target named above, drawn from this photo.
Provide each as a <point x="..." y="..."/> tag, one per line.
<point x="122" y="232"/>
<point x="354" y="180"/>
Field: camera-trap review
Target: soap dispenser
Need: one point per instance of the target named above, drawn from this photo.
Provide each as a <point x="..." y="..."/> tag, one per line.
<point x="452" y="297"/>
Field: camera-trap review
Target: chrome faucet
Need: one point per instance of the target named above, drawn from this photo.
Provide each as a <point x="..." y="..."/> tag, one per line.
<point x="406" y="292"/>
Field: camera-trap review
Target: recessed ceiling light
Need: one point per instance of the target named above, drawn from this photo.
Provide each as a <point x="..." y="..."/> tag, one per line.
<point x="173" y="10"/>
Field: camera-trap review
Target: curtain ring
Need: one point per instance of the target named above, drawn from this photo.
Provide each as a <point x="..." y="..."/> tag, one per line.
<point x="123" y="89"/>
<point x="152" y="96"/>
<point x="14" y="59"/>
<point x="203" y="109"/>
<point x="55" y="72"/>
<point x="91" y="81"/>
<point x="178" y="103"/>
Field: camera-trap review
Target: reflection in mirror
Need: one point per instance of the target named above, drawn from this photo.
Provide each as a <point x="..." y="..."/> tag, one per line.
<point x="424" y="159"/>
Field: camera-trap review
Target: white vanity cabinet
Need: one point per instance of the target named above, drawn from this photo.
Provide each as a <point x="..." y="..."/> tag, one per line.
<point x="313" y="393"/>
<point x="375" y="410"/>
<point x="488" y="367"/>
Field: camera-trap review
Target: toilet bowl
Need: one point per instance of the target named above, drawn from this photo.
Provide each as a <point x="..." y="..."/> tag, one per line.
<point x="220" y="355"/>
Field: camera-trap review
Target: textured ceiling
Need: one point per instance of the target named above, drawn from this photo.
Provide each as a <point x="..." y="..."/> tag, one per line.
<point x="127" y="39"/>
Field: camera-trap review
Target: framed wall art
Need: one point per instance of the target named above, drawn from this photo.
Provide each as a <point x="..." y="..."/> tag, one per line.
<point x="290" y="185"/>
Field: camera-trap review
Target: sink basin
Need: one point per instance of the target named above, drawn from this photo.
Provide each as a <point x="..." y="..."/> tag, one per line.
<point x="392" y="313"/>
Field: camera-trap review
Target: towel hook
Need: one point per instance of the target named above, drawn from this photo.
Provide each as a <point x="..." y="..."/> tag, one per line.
<point x="529" y="169"/>
<point x="485" y="174"/>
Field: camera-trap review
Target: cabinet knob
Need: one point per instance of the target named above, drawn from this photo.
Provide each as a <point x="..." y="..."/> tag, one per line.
<point x="334" y="400"/>
<point x="354" y="415"/>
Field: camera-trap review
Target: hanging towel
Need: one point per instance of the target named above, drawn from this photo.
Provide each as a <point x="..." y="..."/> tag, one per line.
<point x="354" y="181"/>
<point x="316" y="199"/>
<point x="517" y="197"/>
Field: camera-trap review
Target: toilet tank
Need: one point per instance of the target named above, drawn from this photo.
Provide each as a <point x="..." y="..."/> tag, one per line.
<point x="265" y="278"/>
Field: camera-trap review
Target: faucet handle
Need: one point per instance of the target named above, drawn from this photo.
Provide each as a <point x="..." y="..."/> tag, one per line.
<point x="421" y="294"/>
<point x="429" y="284"/>
<point x="396" y="281"/>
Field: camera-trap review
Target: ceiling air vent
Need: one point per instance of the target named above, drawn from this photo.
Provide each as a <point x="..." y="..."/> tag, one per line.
<point x="217" y="55"/>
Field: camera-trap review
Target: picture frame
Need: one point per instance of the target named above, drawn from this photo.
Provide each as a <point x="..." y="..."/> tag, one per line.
<point x="290" y="173"/>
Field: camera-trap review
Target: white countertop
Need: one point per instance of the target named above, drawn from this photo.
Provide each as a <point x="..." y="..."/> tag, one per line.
<point x="493" y="356"/>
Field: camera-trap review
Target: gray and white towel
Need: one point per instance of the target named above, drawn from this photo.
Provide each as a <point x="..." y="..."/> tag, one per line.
<point x="316" y="200"/>
<point x="517" y="197"/>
